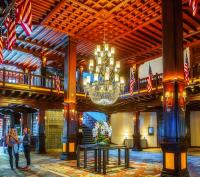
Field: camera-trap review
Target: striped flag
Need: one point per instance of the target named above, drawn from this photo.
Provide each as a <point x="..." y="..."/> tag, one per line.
<point x="132" y="80"/>
<point x="24" y="15"/>
<point x="149" y="80"/>
<point x="186" y="70"/>
<point x="194" y="5"/>
<point x="1" y="50"/>
<point x="11" y="32"/>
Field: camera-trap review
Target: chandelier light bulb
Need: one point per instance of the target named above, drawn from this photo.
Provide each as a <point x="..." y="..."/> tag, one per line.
<point x="122" y="82"/>
<point x="95" y="77"/>
<point x="112" y="50"/>
<point x="102" y="53"/>
<point x="97" y="69"/>
<point x="111" y="61"/>
<point x="117" y="64"/>
<point x="98" y="48"/>
<point x="116" y="78"/>
<point x="109" y="54"/>
<point x="99" y="61"/>
<point x="106" y="47"/>
<point x="95" y="52"/>
<point x="107" y="76"/>
<point x="91" y="64"/>
<point x="107" y="69"/>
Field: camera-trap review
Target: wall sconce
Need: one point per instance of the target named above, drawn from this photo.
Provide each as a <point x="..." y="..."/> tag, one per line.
<point x="168" y="100"/>
<point x="182" y="98"/>
<point x="126" y="136"/>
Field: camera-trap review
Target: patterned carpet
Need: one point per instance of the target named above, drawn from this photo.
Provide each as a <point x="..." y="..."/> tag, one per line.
<point x="142" y="164"/>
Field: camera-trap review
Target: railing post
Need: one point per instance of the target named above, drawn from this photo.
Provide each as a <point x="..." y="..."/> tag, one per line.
<point x="29" y="80"/>
<point x="138" y="85"/>
<point x="156" y="81"/>
<point x="51" y="83"/>
<point x="4" y="76"/>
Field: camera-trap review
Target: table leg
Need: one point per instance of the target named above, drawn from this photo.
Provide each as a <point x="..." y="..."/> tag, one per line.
<point x="119" y="156"/>
<point x="104" y="161"/>
<point x="95" y="159"/>
<point x="85" y="158"/>
<point x="126" y="158"/>
<point x="78" y="157"/>
<point x="99" y="160"/>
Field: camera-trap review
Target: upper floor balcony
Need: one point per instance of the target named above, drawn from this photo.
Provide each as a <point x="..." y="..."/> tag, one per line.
<point x="13" y="80"/>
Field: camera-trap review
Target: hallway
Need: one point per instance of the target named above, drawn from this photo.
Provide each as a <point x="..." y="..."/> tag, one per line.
<point x="146" y="163"/>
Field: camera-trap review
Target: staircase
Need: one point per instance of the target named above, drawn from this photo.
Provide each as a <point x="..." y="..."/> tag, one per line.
<point x="88" y="125"/>
<point x="87" y="135"/>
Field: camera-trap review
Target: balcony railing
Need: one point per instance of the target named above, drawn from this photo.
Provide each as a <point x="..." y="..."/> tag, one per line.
<point x="20" y="78"/>
<point x="49" y="82"/>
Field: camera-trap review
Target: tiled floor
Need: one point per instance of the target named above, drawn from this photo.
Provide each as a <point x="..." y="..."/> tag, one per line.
<point x="147" y="163"/>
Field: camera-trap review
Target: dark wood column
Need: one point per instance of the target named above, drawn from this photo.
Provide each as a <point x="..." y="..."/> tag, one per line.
<point x="160" y="131"/>
<point x="136" y="136"/>
<point x="174" y="143"/>
<point x="70" y="128"/>
<point x="24" y="120"/>
<point x="40" y="146"/>
<point x="188" y="127"/>
<point x="26" y="74"/>
<point x="80" y="79"/>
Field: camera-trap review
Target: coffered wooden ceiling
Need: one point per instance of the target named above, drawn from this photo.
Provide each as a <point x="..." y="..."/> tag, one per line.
<point x="133" y="27"/>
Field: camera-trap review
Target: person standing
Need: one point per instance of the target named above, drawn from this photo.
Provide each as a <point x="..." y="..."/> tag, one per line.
<point x="12" y="143"/>
<point x="27" y="147"/>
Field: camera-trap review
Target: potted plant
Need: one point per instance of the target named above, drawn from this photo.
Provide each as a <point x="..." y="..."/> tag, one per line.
<point x="102" y="133"/>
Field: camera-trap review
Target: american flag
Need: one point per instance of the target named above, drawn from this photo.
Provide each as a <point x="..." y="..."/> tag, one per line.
<point x="11" y="32"/>
<point x="149" y="80"/>
<point x="57" y="82"/>
<point x="132" y="80"/>
<point x="186" y="70"/>
<point x="194" y="5"/>
<point x="24" y="15"/>
<point x="1" y="50"/>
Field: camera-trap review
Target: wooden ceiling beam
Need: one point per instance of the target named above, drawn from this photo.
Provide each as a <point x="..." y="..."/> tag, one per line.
<point x="138" y="54"/>
<point x="11" y="63"/>
<point x="52" y="12"/>
<point x="45" y="48"/>
<point x="135" y="29"/>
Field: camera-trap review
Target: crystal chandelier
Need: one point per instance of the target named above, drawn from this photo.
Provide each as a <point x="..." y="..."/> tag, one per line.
<point x="104" y="84"/>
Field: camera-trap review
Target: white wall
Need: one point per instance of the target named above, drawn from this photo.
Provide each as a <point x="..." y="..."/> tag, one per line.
<point x="122" y="126"/>
<point x="156" y="67"/>
<point x="195" y="128"/>
<point x="148" y="119"/>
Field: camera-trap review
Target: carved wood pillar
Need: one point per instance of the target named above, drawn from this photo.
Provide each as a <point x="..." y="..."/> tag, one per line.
<point x="40" y="146"/>
<point x="24" y="120"/>
<point x="174" y="145"/>
<point x="188" y="127"/>
<point x="136" y="136"/>
<point x="70" y="128"/>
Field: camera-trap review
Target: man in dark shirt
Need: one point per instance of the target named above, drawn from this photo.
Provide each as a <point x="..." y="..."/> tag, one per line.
<point x="27" y="147"/>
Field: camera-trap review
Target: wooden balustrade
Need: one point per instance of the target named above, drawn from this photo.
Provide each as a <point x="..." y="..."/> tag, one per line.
<point x="15" y="77"/>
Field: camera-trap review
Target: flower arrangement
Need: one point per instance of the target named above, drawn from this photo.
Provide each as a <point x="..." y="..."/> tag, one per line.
<point x="102" y="133"/>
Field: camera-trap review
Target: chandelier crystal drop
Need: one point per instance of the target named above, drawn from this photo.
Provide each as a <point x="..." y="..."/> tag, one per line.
<point x="104" y="84"/>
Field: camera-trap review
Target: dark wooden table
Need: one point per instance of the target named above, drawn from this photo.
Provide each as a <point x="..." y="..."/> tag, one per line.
<point x="98" y="150"/>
